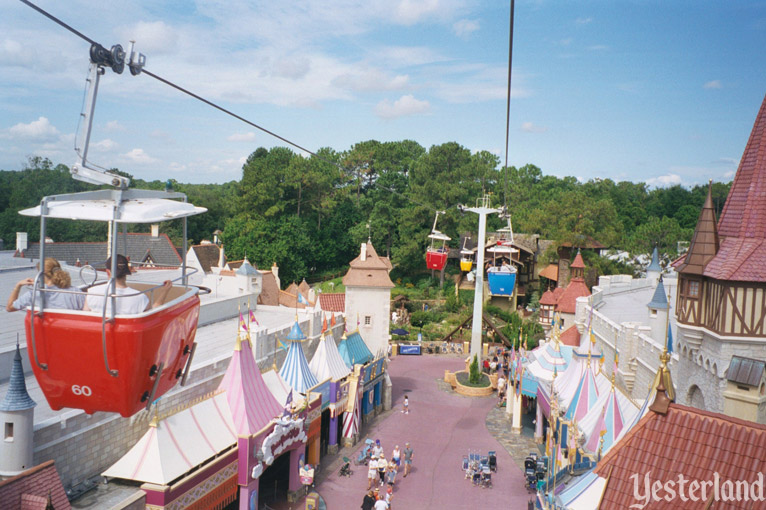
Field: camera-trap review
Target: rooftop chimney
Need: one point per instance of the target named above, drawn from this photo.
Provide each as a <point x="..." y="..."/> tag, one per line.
<point x="21" y="241"/>
<point x="364" y="252"/>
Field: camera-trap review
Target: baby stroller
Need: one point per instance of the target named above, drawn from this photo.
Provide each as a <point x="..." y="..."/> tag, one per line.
<point x="366" y="453"/>
<point x="486" y="478"/>
<point x="530" y="472"/>
<point x="345" y="469"/>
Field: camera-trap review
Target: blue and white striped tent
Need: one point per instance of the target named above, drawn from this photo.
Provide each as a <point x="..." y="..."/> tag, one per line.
<point x="354" y="351"/>
<point x="295" y="370"/>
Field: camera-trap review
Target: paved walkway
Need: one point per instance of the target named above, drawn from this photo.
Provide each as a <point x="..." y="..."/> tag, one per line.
<point x="442" y="427"/>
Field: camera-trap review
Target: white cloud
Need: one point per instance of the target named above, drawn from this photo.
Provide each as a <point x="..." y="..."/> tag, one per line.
<point x="409" y="12"/>
<point x="113" y="125"/>
<point x="40" y="130"/>
<point x="730" y="174"/>
<point x="529" y="127"/>
<point x="465" y="27"/>
<point x="566" y="42"/>
<point x="292" y="68"/>
<point x="598" y="47"/>
<point x="583" y="21"/>
<point x="404" y="106"/>
<point x="139" y="156"/>
<point x="714" y="84"/>
<point x="152" y="38"/>
<point x="104" y="145"/>
<point x="365" y="80"/>
<point x="664" y="180"/>
<point x="242" y="137"/>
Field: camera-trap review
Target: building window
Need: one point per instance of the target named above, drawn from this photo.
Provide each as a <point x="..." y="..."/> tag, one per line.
<point x="693" y="288"/>
<point x="367" y="320"/>
<point x="652" y="312"/>
<point x="8" y="432"/>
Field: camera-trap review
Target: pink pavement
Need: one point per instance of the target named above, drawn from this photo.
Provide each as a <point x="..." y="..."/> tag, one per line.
<point x="441" y="427"/>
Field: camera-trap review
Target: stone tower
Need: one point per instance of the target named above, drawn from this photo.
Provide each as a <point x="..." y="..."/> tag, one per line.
<point x="368" y="298"/>
<point x="658" y="312"/>
<point x="17" y="413"/>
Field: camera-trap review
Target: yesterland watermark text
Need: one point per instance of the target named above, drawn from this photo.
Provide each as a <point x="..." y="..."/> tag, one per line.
<point x="687" y="489"/>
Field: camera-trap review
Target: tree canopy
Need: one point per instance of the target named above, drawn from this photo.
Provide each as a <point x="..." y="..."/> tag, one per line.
<point x="309" y="214"/>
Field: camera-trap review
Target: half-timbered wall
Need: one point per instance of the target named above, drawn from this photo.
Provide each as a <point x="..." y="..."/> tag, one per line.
<point x="726" y="308"/>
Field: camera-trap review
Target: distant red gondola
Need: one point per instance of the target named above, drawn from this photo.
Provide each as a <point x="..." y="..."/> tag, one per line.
<point x="436" y="254"/>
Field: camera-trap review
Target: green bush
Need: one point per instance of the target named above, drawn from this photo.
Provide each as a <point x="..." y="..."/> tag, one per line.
<point x="420" y="319"/>
<point x="474" y="374"/>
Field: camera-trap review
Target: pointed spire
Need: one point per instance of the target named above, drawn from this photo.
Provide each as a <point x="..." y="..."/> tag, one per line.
<point x="704" y="244"/>
<point x="659" y="299"/>
<point x="17" y="398"/>
<point x="654" y="265"/>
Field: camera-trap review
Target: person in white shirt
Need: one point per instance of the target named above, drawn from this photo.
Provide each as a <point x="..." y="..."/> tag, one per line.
<point x="128" y="300"/>
<point x="381" y="504"/>
<point x="372" y="473"/>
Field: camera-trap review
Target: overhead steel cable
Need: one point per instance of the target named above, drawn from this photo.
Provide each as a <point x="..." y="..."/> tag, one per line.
<point x="508" y="103"/>
<point x="169" y="83"/>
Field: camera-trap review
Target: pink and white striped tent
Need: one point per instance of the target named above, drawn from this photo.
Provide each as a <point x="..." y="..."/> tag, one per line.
<point x="252" y="404"/>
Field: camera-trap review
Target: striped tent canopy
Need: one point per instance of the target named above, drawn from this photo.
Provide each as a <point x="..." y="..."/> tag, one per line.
<point x="252" y="404"/>
<point x="550" y="357"/>
<point x="353" y="350"/>
<point x="567" y="383"/>
<point x="295" y="370"/>
<point x="159" y="457"/>
<point x="585" y="396"/>
<point x="280" y="389"/>
<point x="613" y="412"/>
<point x="327" y="362"/>
<point x="582" y="494"/>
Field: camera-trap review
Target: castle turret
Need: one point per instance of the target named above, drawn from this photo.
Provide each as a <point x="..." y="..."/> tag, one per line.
<point x="17" y="412"/>
<point x="658" y="312"/>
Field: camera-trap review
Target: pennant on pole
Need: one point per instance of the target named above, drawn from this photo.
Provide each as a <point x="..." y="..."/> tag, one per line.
<point x="252" y="318"/>
<point x="242" y="324"/>
<point x="670" y="340"/>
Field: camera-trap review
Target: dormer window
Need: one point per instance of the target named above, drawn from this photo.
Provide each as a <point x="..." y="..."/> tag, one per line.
<point x="367" y="320"/>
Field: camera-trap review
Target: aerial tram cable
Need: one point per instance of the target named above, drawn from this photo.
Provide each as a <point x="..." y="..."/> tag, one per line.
<point x="222" y="109"/>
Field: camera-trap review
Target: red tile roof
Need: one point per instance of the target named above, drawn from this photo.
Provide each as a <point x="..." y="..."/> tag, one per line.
<point x="332" y="302"/>
<point x="36" y="481"/>
<point x="578" y="262"/>
<point x="688" y="441"/>
<point x="744" y="214"/>
<point x="570" y="336"/>
<point x="567" y="302"/>
<point x="742" y="226"/>
<point x="548" y="298"/>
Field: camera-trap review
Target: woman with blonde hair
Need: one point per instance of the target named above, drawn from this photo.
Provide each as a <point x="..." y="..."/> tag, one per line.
<point x="55" y="280"/>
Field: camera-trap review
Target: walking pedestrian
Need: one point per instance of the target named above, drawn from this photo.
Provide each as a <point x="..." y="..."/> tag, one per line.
<point x="377" y="450"/>
<point x="382" y="467"/>
<point x="408" y="454"/>
<point x="396" y="456"/>
<point x="391" y="474"/>
<point x="372" y="471"/>
<point x="406" y="405"/>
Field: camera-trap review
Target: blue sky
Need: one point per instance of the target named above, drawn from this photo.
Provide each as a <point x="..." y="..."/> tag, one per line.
<point x="659" y="91"/>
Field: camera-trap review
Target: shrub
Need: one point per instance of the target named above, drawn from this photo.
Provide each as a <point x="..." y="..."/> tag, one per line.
<point x="474" y="374"/>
